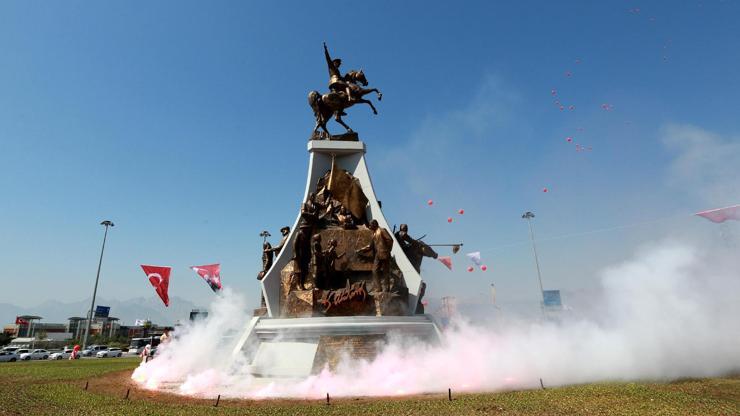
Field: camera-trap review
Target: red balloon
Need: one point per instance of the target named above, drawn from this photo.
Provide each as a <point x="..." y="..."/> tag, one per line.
<point x="449" y="219"/>
<point x="461" y="211"/>
<point x="430" y="202"/>
<point x="470" y="268"/>
<point x="569" y="139"/>
<point x="544" y="189"/>
<point x="484" y="267"/>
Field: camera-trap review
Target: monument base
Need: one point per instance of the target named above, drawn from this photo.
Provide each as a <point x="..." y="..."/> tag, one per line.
<point x="299" y="347"/>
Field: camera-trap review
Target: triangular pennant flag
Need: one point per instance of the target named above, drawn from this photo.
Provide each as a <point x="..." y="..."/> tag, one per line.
<point x="474" y="257"/>
<point x="159" y="277"/>
<point x="446" y="260"/>
<point x="211" y="273"/>
<point x="721" y="214"/>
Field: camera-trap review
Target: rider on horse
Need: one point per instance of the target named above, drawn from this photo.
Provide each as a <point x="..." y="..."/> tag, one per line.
<point x="337" y="83"/>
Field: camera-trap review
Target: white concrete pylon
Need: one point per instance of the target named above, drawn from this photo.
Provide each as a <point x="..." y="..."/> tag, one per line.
<point x="350" y="156"/>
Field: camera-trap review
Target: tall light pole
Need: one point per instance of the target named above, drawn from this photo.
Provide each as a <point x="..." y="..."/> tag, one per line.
<point x="107" y="224"/>
<point x="528" y="216"/>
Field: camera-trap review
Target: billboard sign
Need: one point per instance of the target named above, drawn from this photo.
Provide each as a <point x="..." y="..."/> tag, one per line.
<point x="102" y="311"/>
<point x="551" y="299"/>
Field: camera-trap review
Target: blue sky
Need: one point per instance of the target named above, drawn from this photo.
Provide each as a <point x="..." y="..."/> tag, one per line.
<point x="185" y="123"/>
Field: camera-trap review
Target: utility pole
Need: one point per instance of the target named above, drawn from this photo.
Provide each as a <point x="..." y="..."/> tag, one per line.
<point x="107" y="224"/>
<point x="528" y="216"/>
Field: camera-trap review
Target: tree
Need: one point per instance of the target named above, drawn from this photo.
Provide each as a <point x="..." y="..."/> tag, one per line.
<point x="4" y="339"/>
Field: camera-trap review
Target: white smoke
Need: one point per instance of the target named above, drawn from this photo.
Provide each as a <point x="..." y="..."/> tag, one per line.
<point x="671" y="312"/>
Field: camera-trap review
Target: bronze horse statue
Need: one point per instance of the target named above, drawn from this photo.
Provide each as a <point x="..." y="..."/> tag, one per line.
<point x="414" y="248"/>
<point x="335" y="102"/>
<point x="417" y="252"/>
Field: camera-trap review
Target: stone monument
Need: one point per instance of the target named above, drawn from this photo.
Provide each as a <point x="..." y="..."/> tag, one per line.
<point x="341" y="282"/>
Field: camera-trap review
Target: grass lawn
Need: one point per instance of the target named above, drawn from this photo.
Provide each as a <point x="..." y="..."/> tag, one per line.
<point x="56" y="388"/>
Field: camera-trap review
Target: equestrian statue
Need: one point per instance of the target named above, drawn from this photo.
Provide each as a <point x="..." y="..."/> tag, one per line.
<point x="344" y="92"/>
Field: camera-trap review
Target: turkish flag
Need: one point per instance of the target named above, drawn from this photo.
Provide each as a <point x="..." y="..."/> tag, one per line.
<point x="721" y="214"/>
<point x="159" y="277"/>
<point x="211" y="273"/>
<point x="20" y="321"/>
<point x="446" y="260"/>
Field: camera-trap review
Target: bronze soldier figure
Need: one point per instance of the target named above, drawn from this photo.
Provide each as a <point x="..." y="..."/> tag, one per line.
<point x="316" y="261"/>
<point x="330" y="259"/>
<point x="337" y="82"/>
<point x="266" y="256"/>
<point x="302" y="254"/>
<point x="380" y="246"/>
<point x="284" y="231"/>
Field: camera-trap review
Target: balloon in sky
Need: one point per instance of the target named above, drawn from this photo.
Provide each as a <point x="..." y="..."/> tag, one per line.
<point x="449" y="219"/>
<point x="430" y="202"/>
<point x="461" y="211"/>
<point x="544" y="190"/>
<point x="553" y="91"/>
<point x="470" y="268"/>
<point x="720" y="215"/>
<point x="569" y="139"/>
<point x="484" y="267"/>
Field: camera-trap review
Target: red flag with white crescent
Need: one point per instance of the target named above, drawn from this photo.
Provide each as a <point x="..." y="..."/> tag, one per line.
<point x="159" y="277"/>
<point x="721" y="214"/>
<point x="211" y="273"/>
<point x="446" y="260"/>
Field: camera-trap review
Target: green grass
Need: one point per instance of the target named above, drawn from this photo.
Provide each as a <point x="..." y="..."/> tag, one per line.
<point x="56" y="388"/>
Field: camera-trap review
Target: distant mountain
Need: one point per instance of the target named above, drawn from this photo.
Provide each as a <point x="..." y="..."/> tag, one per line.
<point x="127" y="311"/>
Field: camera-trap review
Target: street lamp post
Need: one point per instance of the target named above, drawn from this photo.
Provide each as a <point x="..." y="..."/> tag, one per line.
<point x="528" y="216"/>
<point x="107" y="224"/>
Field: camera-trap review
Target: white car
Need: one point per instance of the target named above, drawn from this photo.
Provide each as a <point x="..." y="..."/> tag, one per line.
<point x="60" y="355"/>
<point x="20" y="351"/>
<point x="8" y="356"/>
<point x="35" y="355"/>
<point x="113" y="352"/>
<point x="93" y="350"/>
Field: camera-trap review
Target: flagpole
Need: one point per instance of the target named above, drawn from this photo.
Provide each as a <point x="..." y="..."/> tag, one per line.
<point x="107" y="224"/>
<point x="528" y="216"/>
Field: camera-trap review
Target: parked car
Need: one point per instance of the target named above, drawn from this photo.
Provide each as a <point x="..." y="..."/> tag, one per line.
<point x="6" y="356"/>
<point x="36" y="354"/>
<point x="92" y="350"/>
<point x="113" y="352"/>
<point x="20" y="351"/>
<point x="61" y="355"/>
<point x="10" y="349"/>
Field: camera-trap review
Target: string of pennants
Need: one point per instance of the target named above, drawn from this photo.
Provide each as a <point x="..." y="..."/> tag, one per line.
<point x="159" y="277"/>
